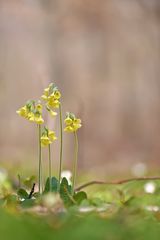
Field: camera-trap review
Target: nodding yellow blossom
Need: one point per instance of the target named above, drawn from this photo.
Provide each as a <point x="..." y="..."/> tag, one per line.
<point x="47" y="137"/>
<point x="53" y="103"/>
<point x="45" y="141"/>
<point x="68" y="121"/>
<point x="39" y="120"/>
<point x="31" y="117"/>
<point x="57" y="94"/>
<point x="39" y="107"/>
<point x="32" y="111"/>
<point x="72" y="123"/>
<point x="22" y="112"/>
<point x="44" y="97"/>
<point x="52" y="97"/>
<point x="46" y="91"/>
<point x="53" y="114"/>
<point x="52" y="135"/>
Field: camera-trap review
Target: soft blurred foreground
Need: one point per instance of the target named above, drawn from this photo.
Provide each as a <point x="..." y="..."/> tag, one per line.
<point x="15" y="227"/>
<point x="110" y="212"/>
<point x="104" y="56"/>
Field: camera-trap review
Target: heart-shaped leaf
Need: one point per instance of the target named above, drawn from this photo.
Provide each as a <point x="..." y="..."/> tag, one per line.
<point x="54" y="185"/>
<point x="80" y="196"/>
<point x="65" y="192"/>
<point x="22" y="193"/>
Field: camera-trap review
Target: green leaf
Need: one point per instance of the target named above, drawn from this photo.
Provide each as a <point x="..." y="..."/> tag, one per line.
<point x="22" y="193"/>
<point x="54" y="185"/>
<point x="65" y="192"/>
<point x="80" y="196"/>
<point x="28" y="203"/>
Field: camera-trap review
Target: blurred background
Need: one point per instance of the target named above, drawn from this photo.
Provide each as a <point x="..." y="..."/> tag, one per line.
<point x="104" y="56"/>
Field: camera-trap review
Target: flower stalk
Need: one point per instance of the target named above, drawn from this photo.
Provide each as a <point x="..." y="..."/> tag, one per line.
<point x="72" y="125"/>
<point x="50" y="168"/>
<point x="40" y="158"/>
<point x="75" y="162"/>
<point x="61" y="146"/>
<point x="47" y="137"/>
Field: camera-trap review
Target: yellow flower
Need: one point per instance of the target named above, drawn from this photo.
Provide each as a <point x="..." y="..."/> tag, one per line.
<point x="44" y="97"/>
<point x="57" y="94"/>
<point x="52" y="97"/>
<point x="32" y="112"/>
<point x="76" y="126"/>
<point x="39" y="120"/>
<point x="68" y="121"/>
<point x="22" y="112"/>
<point x="46" y="94"/>
<point x="45" y="141"/>
<point x="39" y="107"/>
<point x="53" y="103"/>
<point x="31" y="117"/>
<point x="72" y="123"/>
<point x="69" y="129"/>
<point x="46" y="91"/>
<point x="53" y="114"/>
<point x="77" y="121"/>
<point x="48" y="137"/>
<point x="52" y="135"/>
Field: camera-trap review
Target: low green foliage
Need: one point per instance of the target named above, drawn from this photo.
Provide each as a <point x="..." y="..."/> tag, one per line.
<point x="79" y="197"/>
<point x="54" y="185"/>
<point x="109" y="212"/>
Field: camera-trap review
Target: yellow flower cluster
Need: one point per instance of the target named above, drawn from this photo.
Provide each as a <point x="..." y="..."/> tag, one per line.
<point x="32" y="111"/>
<point x="52" y="97"/>
<point x="47" y="137"/>
<point x="72" y="123"/>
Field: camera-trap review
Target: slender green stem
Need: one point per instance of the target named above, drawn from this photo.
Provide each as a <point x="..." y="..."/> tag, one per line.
<point x="40" y="157"/>
<point x="75" y="163"/>
<point x="19" y="181"/>
<point x="61" y="145"/>
<point x="42" y="179"/>
<point x="50" y="165"/>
